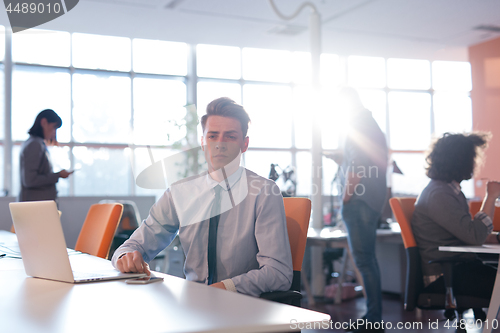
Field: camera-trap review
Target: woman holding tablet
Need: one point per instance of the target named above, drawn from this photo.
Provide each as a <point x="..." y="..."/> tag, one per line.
<point x="38" y="180"/>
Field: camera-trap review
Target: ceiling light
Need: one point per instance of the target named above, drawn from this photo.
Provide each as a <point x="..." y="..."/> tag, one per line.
<point x="487" y="27"/>
<point x="173" y="4"/>
<point x="289" y="30"/>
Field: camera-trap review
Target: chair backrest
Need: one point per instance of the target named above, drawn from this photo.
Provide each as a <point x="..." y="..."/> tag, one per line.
<point x="298" y="213"/>
<point x="130" y="219"/>
<point x="475" y="206"/>
<point x="99" y="229"/>
<point x="403" y="209"/>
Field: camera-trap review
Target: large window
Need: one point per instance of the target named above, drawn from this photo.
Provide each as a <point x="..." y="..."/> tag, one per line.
<point x="112" y="109"/>
<point x="124" y="104"/>
<point x="162" y="101"/>
<point x="101" y="52"/>
<point x="410" y="115"/>
<point x="102" y="170"/>
<point x="101" y="108"/>
<point x="267" y="65"/>
<point x="41" y="47"/>
<point x="218" y="61"/>
<point x="436" y="100"/>
<point x="159" y="57"/>
<point x="35" y="89"/>
<point x="269" y="108"/>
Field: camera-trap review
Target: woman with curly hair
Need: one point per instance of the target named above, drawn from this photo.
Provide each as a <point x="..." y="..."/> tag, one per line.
<point x="442" y="216"/>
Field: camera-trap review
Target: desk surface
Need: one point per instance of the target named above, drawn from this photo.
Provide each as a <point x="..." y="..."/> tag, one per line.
<point x="41" y="306"/>
<point x="485" y="248"/>
<point x="335" y="234"/>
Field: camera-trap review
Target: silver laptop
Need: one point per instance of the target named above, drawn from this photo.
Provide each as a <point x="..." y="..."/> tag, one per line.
<point x="43" y="247"/>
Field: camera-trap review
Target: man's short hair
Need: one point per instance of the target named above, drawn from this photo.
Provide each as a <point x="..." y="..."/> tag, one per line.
<point x="455" y="156"/>
<point x="226" y="107"/>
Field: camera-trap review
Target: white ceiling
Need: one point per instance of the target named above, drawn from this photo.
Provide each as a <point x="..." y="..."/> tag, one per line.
<point x="429" y="29"/>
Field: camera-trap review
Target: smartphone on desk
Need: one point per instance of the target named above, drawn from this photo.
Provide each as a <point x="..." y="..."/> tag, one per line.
<point x="145" y="280"/>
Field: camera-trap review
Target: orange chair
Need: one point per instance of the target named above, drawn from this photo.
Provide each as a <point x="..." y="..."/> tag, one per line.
<point x="416" y="295"/>
<point x="129" y="222"/>
<point x="298" y="213"/>
<point x="99" y="229"/>
<point x="403" y="209"/>
<point x="475" y="206"/>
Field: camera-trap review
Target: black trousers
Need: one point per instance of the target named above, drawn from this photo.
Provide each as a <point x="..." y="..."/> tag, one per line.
<point x="469" y="279"/>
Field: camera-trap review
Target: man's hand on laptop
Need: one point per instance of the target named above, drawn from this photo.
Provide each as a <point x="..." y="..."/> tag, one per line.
<point x="132" y="262"/>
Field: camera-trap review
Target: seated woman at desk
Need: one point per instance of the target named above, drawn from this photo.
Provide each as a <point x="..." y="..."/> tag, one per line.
<point x="442" y="218"/>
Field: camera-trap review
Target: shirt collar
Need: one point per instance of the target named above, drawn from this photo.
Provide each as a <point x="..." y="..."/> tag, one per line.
<point x="231" y="180"/>
<point x="455" y="186"/>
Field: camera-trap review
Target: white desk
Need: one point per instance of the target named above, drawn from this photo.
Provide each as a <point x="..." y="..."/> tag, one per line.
<point x="495" y="297"/>
<point x="176" y="305"/>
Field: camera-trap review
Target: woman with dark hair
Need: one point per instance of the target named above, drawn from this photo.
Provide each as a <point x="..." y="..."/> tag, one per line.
<point x="442" y="217"/>
<point x="38" y="181"/>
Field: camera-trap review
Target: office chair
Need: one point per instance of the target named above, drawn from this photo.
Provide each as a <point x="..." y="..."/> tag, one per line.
<point x="416" y="295"/>
<point x="298" y="213"/>
<point x="99" y="228"/>
<point x="474" y="207"/>
<point x="129" y="221"/>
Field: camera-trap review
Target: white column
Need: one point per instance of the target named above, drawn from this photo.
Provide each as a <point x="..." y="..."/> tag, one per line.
<point x="7" y="147"/>
<point x="318" y="280"/>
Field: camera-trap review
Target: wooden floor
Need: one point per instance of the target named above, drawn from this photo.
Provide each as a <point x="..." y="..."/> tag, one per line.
<point x="393" y="314"/>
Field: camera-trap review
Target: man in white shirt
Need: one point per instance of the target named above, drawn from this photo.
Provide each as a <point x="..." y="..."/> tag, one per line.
<point x="231" y="222"/>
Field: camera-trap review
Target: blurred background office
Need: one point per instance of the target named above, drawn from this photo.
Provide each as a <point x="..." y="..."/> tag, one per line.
<point x="120" y="73"/>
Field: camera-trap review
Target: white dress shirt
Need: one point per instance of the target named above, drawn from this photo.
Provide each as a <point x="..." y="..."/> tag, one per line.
<point x="253" y="251"/>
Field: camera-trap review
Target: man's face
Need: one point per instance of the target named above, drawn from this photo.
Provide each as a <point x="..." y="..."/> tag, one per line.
<point x="223" y="142"/>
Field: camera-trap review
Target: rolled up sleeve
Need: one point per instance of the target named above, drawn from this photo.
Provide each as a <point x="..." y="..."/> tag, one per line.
<point x="155" y="233"/>
<point x="482" y="217"/>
